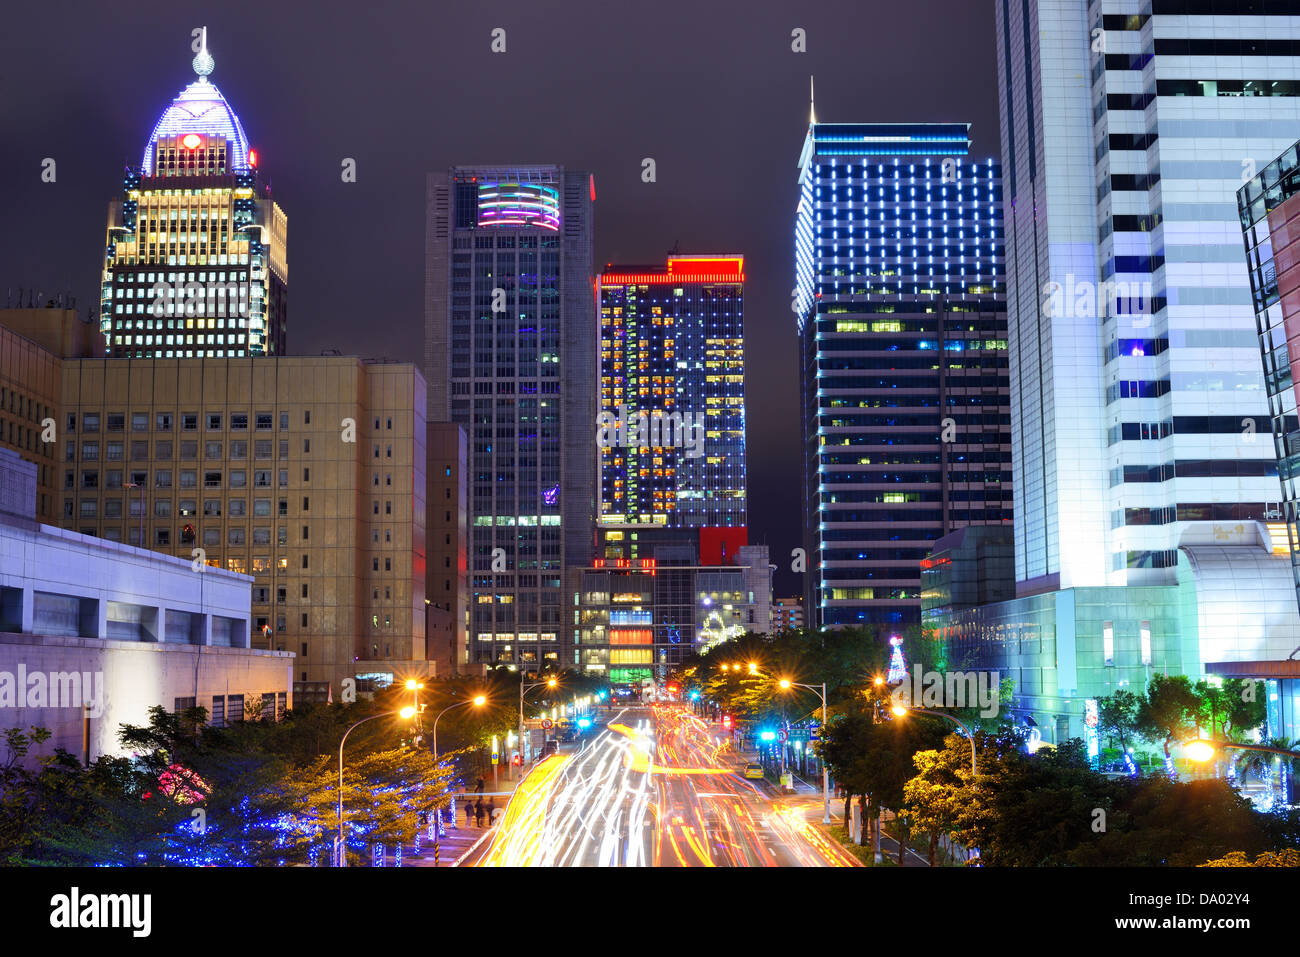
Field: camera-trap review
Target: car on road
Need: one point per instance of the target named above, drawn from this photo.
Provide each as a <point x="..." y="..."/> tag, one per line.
<point x="754" y="771"/>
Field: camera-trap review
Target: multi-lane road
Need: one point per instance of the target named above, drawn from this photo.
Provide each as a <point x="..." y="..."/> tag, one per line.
<point x="654" y="788"/>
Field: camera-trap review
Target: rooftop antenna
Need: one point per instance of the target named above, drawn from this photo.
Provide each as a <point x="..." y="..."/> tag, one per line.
<point x="203" y="62"/>
<point x="812" y="101"/>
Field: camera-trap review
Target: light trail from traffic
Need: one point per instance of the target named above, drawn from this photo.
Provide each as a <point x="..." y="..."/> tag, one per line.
<point x="654" y="788"/>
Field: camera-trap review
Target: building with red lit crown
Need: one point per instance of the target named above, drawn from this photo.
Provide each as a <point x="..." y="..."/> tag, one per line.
<point x="195" y="261"/>
<point x="674" y="571"/>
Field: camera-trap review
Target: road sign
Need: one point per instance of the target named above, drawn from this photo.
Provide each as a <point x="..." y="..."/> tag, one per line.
<point x="547" y="724"/>
<point x="783" y="735"/>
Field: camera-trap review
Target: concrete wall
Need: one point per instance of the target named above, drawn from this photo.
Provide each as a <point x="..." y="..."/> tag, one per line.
<point x="58" y="682"/>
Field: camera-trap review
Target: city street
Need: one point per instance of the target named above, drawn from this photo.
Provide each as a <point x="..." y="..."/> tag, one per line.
<point x="655" y="787"/>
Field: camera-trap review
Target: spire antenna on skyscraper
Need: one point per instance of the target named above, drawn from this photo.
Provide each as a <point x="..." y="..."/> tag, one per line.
<point x="203" y="62"/>
<point x="812" y="101"/>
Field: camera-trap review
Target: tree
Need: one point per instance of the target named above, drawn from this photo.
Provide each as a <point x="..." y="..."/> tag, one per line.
<point x="1170" y="710"/>
<point x="844" y="742"/>
<point x="1158" y="822"/>
<point x="1118" y="715"/>
<point x="1231" y="708"/>
<point x="1287" y="857"/>
<point x="936" y="794"/>
<point x="256" y="793"/>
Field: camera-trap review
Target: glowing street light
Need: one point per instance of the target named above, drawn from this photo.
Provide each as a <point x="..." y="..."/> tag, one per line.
<point x="523" y="688"/>
<point x="902" y="711"/>
<point x="786" y="683"/>
<point x="1201" y="750"/>
<point x="477" y="701"/>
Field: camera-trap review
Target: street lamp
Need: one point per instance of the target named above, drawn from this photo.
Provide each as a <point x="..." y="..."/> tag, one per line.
<point x="414" y="687"/>
<point x="826" y="775"/>
<point x="405" y="714"/>
<point x="901" y="711"/>
<point x="523" y="688"/>
<point x="1201" y="750"/>
<point x="478" y="701"/>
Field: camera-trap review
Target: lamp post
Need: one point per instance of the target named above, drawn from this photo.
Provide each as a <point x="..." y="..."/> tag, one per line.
<point x="901" y="711"/>
<point x="826" y="775"/>
<point x="1202" y="751"/>
<point x="524" y="688"/>
<point x="406" y="714"/>
<point x="477" y="701"/>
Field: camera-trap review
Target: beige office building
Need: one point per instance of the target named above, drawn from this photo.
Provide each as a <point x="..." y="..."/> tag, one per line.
<point x="32" y="344"/>
<point x="307" y="473"/>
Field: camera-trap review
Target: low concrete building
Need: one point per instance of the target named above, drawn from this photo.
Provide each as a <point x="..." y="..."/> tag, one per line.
<point x="94" y="633"/>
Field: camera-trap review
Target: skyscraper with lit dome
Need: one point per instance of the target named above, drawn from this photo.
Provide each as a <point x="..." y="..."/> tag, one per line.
<point x="195" y="259"/>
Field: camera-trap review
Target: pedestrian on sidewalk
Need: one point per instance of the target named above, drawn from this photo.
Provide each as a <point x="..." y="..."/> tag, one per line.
<point x="469" y="813"/>
<point x="491" y="811"/>
<point x="478" y="788"/>
<point x="478" y="813"/>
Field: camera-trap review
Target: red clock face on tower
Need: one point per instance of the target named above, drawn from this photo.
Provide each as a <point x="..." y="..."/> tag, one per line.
<point x="191" y="141"/>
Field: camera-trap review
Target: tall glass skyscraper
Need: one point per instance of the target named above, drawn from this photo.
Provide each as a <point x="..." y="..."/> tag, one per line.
<point x="511" y="353"/>
<point x="1142" y="486"/>
<point x="195" y="251"/>
<point x="899" y="300"/>
<point x="672" y="403"/>
<point x="1126" y="130"/>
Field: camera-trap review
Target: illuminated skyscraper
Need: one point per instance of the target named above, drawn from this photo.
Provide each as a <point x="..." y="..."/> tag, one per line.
<point x="511" y="354"/>
<point x="195" y="251"/>
<point x="1143" y="491"/>
<point x="901" y="313"/>
<point x="672" y="406"/>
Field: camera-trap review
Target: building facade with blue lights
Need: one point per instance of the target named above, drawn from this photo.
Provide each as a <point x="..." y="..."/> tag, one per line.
<point x="195" y="252"/>
<point x="511" y="354"/>
<point x="1147" y="538"/>
<point x="900" y="309"/>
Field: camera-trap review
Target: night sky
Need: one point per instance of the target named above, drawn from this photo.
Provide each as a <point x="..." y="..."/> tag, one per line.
<point x="711" y="90"/>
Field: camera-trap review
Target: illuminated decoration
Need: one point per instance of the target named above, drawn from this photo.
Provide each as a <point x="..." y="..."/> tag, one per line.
<point x="1034" y="740"/>
<point x="518" y="205"/>
<point x="551" y="496"/>
<point x="714" y="630"/>
<point x="252" y="157"/>
<point x="897" y="666"/>
<point x="1091" y="726"/>
<point x="682" y="269"/>
<point x="191" y="141"/>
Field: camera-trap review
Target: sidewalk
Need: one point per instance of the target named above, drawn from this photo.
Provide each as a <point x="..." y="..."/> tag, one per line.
<point x="460" y="840"/>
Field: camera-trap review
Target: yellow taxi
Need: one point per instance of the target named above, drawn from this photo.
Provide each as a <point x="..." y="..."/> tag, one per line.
<point x="754" y="771"/>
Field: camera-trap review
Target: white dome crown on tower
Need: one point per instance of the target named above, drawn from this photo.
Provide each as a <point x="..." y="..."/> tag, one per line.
<point x="200" y="108"/>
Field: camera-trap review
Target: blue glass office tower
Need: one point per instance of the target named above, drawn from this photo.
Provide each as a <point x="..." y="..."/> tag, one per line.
<point x="901" y="315"/>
